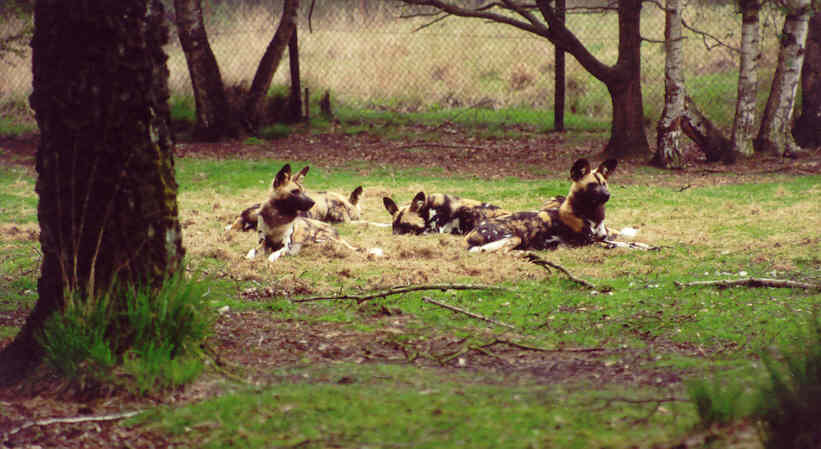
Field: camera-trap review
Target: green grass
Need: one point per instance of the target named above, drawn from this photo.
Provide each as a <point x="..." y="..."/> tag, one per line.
<point x="378" y="405"/>
<point x="714" y="231"/>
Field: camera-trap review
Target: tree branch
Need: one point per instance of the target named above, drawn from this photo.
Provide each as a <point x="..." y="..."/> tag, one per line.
<point x="398" y="291"/>
<point x="532" y="258"/>
<point x="75" y="419"/>
<point x="465" y="312"/>
<point x="752" y="282"/>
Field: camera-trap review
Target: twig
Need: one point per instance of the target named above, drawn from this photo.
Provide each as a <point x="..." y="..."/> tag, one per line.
<point x="630" y="245"/>
<point x="536" y="348"/>
<point x="75" y="419"/>
<point x="532" y="258"/>
<point x="465" y="312"/>
<point x="752" y="282"/>
<point x="398" y="291"/>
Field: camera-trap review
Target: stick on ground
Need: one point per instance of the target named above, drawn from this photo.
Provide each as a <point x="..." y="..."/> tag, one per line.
<point x="752" y="282"/>
<point x="398" y="291"/>
<point x="465" y="312"/>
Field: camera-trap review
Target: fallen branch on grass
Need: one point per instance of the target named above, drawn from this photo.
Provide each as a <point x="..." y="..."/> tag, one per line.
<point x="72" y="420"/>
<point x="532" y="258"/>
<point x="629" y="245"/>
<point x="536" y="348"/>
<point x="465" y="312"/>
<point x="398" y="291"/>
<point x="752" y="282"/>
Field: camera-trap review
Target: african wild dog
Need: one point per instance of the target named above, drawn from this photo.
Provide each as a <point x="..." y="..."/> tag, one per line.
<point x="439" y="212"/>
<point x="280" y="228"/>
<point x="329" y="207"/>
<point x="576" y="220"/>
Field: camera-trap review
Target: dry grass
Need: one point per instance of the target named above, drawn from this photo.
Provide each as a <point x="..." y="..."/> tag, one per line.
<point x="459" y="62"/>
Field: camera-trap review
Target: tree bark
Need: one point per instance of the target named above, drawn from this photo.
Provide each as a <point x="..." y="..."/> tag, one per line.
<point x="107" y="194"/>
<point x="707" y="136"/>
<point x="807" y="129"/>
<point x="668" y="136"/>
<point x="214" y="120"/>
<point x="745" y="109"/>
<point x="269" y="63"/>
<point x="774" y="136"/>
<point x="623" y="80"/>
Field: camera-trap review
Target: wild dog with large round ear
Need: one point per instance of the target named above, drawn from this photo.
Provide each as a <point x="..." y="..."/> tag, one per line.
<point x="577" y="219"/>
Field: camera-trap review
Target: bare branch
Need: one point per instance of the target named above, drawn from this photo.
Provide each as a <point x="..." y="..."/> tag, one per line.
<point x="465" y="312"/>
<point x="752" y="282"/>
<point x="532" y="258"/>
<point x="705" y="36"/>
<point x="398" y="291"/>
<point x="75" y="419"/>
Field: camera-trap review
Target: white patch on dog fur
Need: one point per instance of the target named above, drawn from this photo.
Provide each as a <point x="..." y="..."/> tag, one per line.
<point x="251" y="254"/>
<point x="492" y="246"/>
<point x="448" y="227"/>
<point x="599" y="231"/>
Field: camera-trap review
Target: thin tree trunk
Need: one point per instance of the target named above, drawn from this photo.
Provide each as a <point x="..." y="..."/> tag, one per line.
<point x="107" y="195"/>
<point x="774" y="136"/>
<point x="214" y="120"/>
<point x="668" y="149"/>
<point x="744" y="122"/>
<point x="560" y="72"/>
<point x="807" y="130"/>
<point x="269" y="63"/>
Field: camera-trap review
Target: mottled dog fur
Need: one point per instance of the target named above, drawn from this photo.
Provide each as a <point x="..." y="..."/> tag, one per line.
<point x="280" y="228"/>
<point x="329" y="207"/>
<point x="439" y="212"/>
<point x="577" y="219"/>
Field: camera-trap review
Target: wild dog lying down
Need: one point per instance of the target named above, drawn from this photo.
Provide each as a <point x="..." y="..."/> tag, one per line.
<point x="280" y="228"/>
<point x="439" y="212"/>
<point x="329" y="207"/>
<point x="576" y="220"/>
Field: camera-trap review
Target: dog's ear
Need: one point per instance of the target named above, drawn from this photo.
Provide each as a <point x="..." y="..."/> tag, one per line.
<point x="355" y="195"/>
<point x="390" y="206"/>
<point x="417" y="202"/>
<point x="607" y="167"/>
<point x="283" y="176"/>
<point x="580" y="168"/>
<point x="301" y="175"/>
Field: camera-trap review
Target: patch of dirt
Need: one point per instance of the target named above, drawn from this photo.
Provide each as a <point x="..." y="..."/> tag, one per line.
<point x="252" y="346"/>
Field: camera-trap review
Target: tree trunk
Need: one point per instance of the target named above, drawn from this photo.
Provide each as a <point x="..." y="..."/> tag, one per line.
<point x="707" y="136"/>
<point x="668" y="150"/>
<point x="269" y="63"/>
<point x="807" y="130"/>
<point x="774" y="136"/>
<point x="107" y="195"/>
<point x="560" y="72"/>
<point x="214" y="120"/>
<point x="627" y="134"/>
<point x="623" y="80"/>
<point x="745" y="107"/>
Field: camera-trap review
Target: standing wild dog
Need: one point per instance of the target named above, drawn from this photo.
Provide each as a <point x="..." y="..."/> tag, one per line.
<point x="280" y="228"/>
<point x="439" y="212"/>
<point x="576" y="220"/>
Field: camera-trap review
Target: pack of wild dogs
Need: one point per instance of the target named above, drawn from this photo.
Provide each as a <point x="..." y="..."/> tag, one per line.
<point x="291" y="217"/>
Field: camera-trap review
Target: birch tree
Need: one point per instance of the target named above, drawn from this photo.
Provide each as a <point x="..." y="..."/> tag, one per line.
<point x="774" y="135"/>
<point x="745" y="110"/>
<point x="668" y="150"/>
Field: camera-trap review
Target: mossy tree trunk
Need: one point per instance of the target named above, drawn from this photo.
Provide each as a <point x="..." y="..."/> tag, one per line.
<point x="107" y="194"/>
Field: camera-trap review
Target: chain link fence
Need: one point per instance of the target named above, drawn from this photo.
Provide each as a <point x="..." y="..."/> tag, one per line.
<point x="383" y="54"/>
